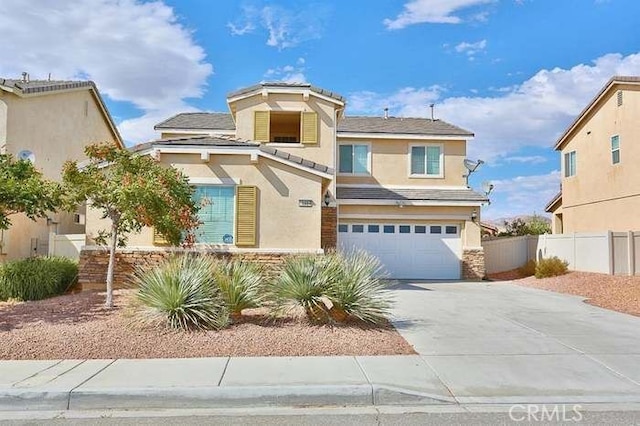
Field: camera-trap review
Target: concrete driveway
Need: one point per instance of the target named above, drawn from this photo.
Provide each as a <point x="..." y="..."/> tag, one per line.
<point x="499" y="342"/>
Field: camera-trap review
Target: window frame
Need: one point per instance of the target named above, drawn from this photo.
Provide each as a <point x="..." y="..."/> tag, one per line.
<point x="425" y="175"/>
<point x="234" y="211"/>
<point x="617" y="150"/>
<point x="368" y="172"/>
<point x="565" y="163"/>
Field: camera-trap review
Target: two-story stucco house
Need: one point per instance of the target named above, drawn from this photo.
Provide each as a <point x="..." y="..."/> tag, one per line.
<point x="287" y="170"/>
<point x="48" y="122"/>
<point x="599" y="154"/>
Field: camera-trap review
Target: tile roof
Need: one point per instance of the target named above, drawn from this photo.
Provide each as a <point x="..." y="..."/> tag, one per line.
<point x="39" y="86"/>
<point x="231" y="142"/>
<point x="417" y="126"/>
<point x="200" y="141"/>
<point x="557" y="198"/>
<point x="616" y="79"/>
<point x="295" y="159"/>
<point x="280" y="84"/>
<point x="409" y="194"/>
<point x="199" y="121"/>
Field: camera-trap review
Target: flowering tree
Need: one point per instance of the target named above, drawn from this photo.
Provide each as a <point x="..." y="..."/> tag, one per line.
<point x="132" y="191"/>
<point x="23" y="189"/>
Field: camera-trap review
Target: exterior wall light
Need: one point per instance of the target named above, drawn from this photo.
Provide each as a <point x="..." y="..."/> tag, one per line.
<point x="327" y="198"/>
<point x="474" y="216"/>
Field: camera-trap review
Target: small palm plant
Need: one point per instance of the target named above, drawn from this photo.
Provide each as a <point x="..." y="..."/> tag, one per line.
<point x="240" y="285"/>
<point x="181" y="294"/>
<point x="358" y="289"/>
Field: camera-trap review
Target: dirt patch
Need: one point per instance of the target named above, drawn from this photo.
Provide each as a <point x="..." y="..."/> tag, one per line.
<point x="618" y="293"/>
<point x="77" y="326"/>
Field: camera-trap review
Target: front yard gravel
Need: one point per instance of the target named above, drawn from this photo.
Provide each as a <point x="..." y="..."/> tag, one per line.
<point x="618" y="293"/>
<point x="77" y="326"/>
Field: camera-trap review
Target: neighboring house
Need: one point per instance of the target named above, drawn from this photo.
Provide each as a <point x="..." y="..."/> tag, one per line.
<point x="48" y="122"/>
<point x="488" y="230"/>
<point x="287" y="171"/>
<point x="599" y="159"/>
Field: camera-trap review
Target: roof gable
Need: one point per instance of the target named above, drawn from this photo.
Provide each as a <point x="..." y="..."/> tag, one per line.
<point x="30" y="88"/>
<point x="591" y="106"/>
<point x="282" y="87"/>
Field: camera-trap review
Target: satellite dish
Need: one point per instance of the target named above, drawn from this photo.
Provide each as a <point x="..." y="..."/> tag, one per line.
<point x="472" y="165"/>
<point x="487" y="187"/>
<point x="27" y="155"/>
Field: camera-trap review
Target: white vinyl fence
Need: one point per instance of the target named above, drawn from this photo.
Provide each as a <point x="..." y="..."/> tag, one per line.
<point x="606" y="252"/>
<point x="67" y="245"/>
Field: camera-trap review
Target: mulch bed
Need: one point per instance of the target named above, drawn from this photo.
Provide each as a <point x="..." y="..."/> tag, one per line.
<point x="618" y="293"/>
<point x="78" y="326"/>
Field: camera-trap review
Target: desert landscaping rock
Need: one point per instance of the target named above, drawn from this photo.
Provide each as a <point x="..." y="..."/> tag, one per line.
<point x="77" y="326"/>
<point x="615" y="292"/>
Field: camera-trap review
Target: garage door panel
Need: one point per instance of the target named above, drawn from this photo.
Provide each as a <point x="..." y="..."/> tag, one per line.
<point x="433" y="254"/>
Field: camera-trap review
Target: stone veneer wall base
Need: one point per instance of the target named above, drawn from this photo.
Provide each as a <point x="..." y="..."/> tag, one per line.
<point x="473" y="267"/>
<point x="94" y="260"/>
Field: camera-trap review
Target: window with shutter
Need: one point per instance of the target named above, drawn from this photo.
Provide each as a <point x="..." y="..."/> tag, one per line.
<point x="309" y="128"/>
<point x="246" y="215"/>
<point x="216" y="214"/>
<point x="261" y="126"/>
<point x="159" y="239"/>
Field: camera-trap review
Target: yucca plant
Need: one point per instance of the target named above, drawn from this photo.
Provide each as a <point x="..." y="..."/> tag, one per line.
<point x="303" y="282"/>
<point x="240" y="285"/>
<point x="358" y="289"/>
<point x="181" y="294"/>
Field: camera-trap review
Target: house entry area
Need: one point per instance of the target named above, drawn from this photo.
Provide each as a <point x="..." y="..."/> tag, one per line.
<point x="408" y="251"/>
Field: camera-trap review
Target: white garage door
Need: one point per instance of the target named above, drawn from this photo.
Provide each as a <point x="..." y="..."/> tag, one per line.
<point x="429" y="251"/>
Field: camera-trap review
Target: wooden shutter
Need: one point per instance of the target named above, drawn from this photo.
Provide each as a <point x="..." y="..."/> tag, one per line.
<point x="309" y="127"/>
<point x="159" y="239"/>
<point x="246" y="215"/>
<point x="261" y="126"/>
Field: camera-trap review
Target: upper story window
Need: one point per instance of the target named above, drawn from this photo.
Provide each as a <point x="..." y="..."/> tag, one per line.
<point x="426" y="160"/>
<point x="615" y="149"/>
<point x="286" y="127"/>
<point x="354" y="159"/>
<point x="570" y="164"/>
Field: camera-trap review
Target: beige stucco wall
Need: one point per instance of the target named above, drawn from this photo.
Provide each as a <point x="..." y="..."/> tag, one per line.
<point x="453" y="215"/>
<point x="282" y="224"/>
<point x="322" y="153"/>
<point x="390" y="163"/>
<point x="55" y="127"/>
<point x="604" y="196"/>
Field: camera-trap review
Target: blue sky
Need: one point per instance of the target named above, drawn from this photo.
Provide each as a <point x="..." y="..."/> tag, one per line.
<point x="515" y="72"/>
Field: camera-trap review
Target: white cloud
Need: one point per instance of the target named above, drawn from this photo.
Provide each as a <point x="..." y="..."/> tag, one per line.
<point x="135" y="51"/>
<point x="471" y="49"/>
<point x="522" y="195"/>
<point x="287" y="73"/>
<point x="531" y="159"/>
<point x="533" y="113"/>
<point x="434" y="11"/>
<point x="285" y="27"/>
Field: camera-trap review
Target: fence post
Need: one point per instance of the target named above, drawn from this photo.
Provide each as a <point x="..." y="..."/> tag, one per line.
<point x="52" y="243"/>
<point x="611" y="253"/>
<point x="631" y="252"/>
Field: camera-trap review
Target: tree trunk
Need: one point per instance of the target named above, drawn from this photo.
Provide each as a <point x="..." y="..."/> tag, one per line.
<point x="112" y="262"/>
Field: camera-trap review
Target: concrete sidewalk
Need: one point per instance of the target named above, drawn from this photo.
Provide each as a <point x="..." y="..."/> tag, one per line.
<point x="478" y="344"/>
<point x="219" y="383"/>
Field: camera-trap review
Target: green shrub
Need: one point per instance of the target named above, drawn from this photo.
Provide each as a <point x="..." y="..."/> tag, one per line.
<point x="357" y="289"/>
<point x="303" y="282"/>
<point x="551" y="267"/>
<point x="37" y="278"/>
<point x="240" y="285"/>
<point x="182" y="294"/>
<point x="528" y="269"/>
<point x="335" y="286"/>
